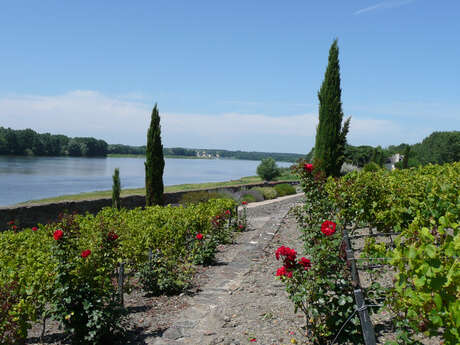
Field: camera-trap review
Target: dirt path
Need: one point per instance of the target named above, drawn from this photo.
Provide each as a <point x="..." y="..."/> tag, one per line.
<point x="242" y="300"/>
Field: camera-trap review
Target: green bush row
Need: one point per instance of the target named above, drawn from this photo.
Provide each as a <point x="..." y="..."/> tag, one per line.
<point x="252" y="195"/>
<point x="28" y="264"/>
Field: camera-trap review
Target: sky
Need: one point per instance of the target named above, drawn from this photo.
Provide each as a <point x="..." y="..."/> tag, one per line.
<point x="237" y="75"/>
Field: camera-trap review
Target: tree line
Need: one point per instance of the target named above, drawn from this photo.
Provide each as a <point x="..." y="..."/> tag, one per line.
<point x="437" y="148"/>
<point x="27" y="142"/>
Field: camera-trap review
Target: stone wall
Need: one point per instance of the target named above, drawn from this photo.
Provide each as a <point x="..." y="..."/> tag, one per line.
<point x="31" y="215"/>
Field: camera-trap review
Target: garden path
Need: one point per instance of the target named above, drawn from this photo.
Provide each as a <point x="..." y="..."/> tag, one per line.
<point x="242" y="302"/>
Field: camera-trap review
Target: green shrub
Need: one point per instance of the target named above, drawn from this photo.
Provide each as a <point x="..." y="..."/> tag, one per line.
<point x="267" y="192"/>
<point x="268" y="169"/>
<point x="248" y="198"/>
<point x="258" y="196"/>
<point x="284" y="189"/>
<point x="161" y="275"/>
<point x="33" y="264"/>
<point x="371" y="167"/>
<point x="202" y="196"/>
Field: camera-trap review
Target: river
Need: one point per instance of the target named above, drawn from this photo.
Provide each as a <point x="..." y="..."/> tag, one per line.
<point x="31" y="178"/>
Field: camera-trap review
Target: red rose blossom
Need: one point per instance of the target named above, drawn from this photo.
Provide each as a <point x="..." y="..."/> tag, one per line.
<point x="241" y="226"/>
<point x="199" y="236"/>
<point x="34" y="228"/>
<point x="283" y="272"/>
<point x="111" y="236"/>
<point x="288" y="253"/>
<point x="85" y="253"/>
<point x="14" y="227"/>
<point x="227" y="212"/>
<point x="244" y="203"/>
<point x="306" y="263"/>
<point x="58" y="234"/>
<point x="328" y="227"/>
<point x="308" y="167"/>
<point x="11" y="222"/>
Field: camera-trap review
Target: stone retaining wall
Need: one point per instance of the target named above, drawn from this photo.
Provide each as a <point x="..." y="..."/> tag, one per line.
<point x="31" y="215"/>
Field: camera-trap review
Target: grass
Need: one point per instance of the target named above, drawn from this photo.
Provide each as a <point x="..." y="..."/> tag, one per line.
<point x="141" y="191"/>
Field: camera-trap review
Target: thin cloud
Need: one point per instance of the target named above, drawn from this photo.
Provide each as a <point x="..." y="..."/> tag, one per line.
<point x="121" y="121"/>
<point x="383" y="5"/>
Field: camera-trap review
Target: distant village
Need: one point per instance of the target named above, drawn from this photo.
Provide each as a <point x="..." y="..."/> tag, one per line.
<point x="204" y="154"/>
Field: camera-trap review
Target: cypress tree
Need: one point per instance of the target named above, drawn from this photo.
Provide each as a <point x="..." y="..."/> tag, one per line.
<point x="116" y="188"/>
<point x="330" y="135"/>
<point x="155" y="163"/>
<point x="405" y="162"/>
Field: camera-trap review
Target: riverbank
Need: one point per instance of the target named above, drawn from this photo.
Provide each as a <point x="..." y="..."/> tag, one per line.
<point x="168" y="189"/>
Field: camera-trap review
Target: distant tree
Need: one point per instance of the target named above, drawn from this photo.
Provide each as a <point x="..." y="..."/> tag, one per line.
<point x="116" y="189"/>
<point x="74" y="148"/>
<point x="155" y="163"/>
<point x="405" y="162"/>
<point x="268" y="169"/>
<point x="330" y="134"/>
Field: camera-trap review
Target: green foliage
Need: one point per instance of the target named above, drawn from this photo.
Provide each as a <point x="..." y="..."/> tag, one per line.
<point x="284" y="189"/>
<point x="405" y="162"/>
<point x="323" y="292"/>
<point x="267" y="192"/>
<point x="29" y="142"/>
<point x="258" y="196"/>
<point x="164" y="275"/>
<point x="83" y="297"/>
<point x="371" y="167"/>
<point x="116" y="189"/>
<point x="378" y="156"/>
<point x="268" y="169"/>
<point x="330" y="134"/>
<point x="155" y="163"/>
<point x="11" y="330"/>
<point x="204" y="250"/>
<point x="202" y="196"/>
<point x="422" y="204"/>
<point x="248" y="198"/>
<point x="48" y="277"/>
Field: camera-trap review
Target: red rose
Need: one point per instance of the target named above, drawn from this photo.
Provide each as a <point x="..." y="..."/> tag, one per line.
<point x="34" y="228"/>
<point x="283" y="272"/>
<point x="227" y="212"/>
<point x="199" y="236"/>
<point x="111" y="236"/>
<point x="328" y="227"/>
<point x="58" y="234"/>
<point x="244" y="203"/>
<point x="308" y="167"/>
<point x="14" y="227"/>
<point x="11" y="222"/>
<point x="85" y="253"/>
<point x="306" y="263"/>
<point x="288" y="253"/>
<point x="241" y="226"/>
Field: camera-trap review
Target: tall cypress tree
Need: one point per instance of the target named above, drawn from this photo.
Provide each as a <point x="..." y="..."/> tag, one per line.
<point x="116" y="189"/>
<point x="155" y="163"/>
<point x="330" y="135"/>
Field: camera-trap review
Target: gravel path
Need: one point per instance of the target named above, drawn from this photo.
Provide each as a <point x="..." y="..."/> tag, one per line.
<point x="242" y="301"/>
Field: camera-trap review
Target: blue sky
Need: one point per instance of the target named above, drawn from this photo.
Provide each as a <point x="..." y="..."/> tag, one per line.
<point x="229" y="74"/>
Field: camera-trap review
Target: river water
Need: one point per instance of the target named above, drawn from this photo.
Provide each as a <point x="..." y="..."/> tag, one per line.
<point x="31" y="178"/>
